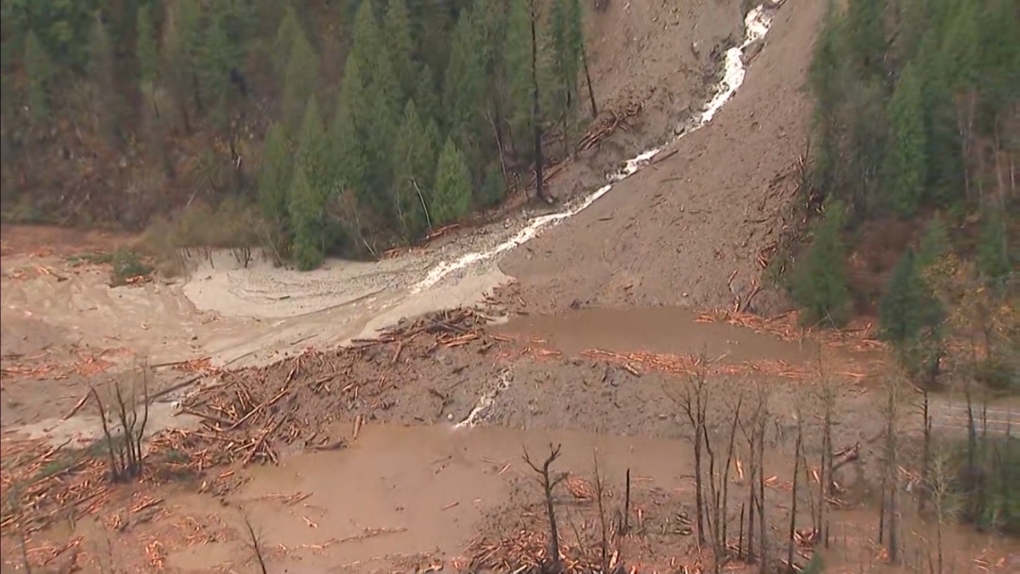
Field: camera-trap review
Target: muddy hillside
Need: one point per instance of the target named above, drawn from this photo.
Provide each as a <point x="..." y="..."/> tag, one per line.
<point x="604" y="367"/>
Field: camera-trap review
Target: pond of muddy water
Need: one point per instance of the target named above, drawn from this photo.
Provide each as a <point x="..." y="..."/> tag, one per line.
<point x="656" y="330"/>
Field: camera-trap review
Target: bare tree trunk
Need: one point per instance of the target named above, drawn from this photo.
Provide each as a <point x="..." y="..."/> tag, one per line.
<point x="548" y="484"/>
<point x="587" y="77"/>
<point x="536" y="110"/>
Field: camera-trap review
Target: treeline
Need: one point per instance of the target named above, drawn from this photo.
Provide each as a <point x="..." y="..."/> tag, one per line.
<point x="917" y="113"/>
<point x="381" y="119"/>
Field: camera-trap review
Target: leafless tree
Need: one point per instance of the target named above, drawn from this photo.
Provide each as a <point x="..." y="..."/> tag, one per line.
<point x="554" y="565"/>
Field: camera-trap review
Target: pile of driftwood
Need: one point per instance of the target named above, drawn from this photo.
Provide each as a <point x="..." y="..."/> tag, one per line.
<point x="247" y="415"/>
<point x="606" y="124"/>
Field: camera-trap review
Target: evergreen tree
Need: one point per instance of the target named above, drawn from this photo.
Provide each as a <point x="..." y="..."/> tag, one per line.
<point x="310" y="192"/>
<point x="102" y="74"/>
<point x="867" y="39"/>
<point x="313" y="153"/>
<point x="911" y="318"/>
<point x="300" y="78"/>
<point x="40" y="71"/>
<point x="568" y="45"/>
<point x="425" y="95"/>
<point x="935" y="244"/>
<point x="415" y="163"/>
<point x="820" y="286"/>
<point x="352" y="113"/>
<point x="993" y="258"/>
<point x="306" y="220"/>
<point x="146" y="50"/>
<point x="218" y="54"/>
<point x="906" y="162"/>
<point x="400" y="45"/>
<point x="181" y="44"/>
<point x="275" y="176"/>
<point x="517" y="55"/>
<point x="289" y="29"/>
<point x="452" y="197"/>
<point x="464" y="88"/>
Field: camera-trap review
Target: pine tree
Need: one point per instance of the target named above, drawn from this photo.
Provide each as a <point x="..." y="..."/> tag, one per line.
<point x="906" y="162"/>
<point x="517" y="55"/>
<point x="464" y="88"/>
<point x="310" y="192"/>
<point x="568" y="44"/>
<point x="400" y="45"/>
<point x="313" y="153"/>
<point x="40" y="71"/>
<point x="347" y="140"/>
<point x="911" y="319"/>
<point x="101" y="74"/>
<point x="415" y="161"/>
<point x="288" y="31"/>
<point x="425" y="95"/>
<point x="146" y="50"/>
<point x="300" y="78"/>
<point x="275" y="176"/>
<point x="935" y="244"/>
<point x="218" y="54"/>
<point x="993" y="259"/>
<point x="452" y="197"/>
<point x="181" y="44"/>
<point x="306" y="220"/>
<point x="820" y="285"/>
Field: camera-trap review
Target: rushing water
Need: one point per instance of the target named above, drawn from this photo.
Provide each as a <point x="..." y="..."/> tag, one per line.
<point x="756" y="25"/>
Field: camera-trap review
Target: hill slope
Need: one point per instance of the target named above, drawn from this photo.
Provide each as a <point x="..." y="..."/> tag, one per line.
<point x="688" y="229"/>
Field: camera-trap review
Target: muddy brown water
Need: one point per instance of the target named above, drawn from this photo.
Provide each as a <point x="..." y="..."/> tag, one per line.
<point x="656" y="330"/>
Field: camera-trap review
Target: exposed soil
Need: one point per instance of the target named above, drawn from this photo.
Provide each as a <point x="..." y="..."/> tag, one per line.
<point x="688" y="230"/>
<point x="353" y="440"/>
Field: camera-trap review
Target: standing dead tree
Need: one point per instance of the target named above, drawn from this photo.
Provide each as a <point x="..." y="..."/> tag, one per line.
<point x="600" y="495"/>
<point x="797" y="450"/>
<point x="888" y="526"/>
<point x="753" y="430"/>
<point x="692" y="398"/>
<point x="548" y="482"/>
<point x="125" y="441"/>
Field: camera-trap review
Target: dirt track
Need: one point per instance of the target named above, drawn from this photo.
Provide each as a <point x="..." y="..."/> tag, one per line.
<point x="378" y="464"/>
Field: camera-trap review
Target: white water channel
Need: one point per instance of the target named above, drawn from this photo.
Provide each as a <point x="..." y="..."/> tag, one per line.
<point x="756" y="25"/>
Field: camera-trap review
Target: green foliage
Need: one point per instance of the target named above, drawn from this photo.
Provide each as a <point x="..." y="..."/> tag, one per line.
<point x="300" y="78"/>
<point x="452" y="197"/>
<point x="275" y="176"/>
<point x="400" y="45"/>
<point x="906" y="162"/>
<point x="935" y="244"/>
<point x="185" y="87"/>
<point x="40" y="72"/>
<point x="146" y="48"/>
<point x="993" y="258"/>
<point x="415" y="160"/>
<point x="820" y="285"/>
<point x="305" y="207"/>
<point x="517" y="56"/>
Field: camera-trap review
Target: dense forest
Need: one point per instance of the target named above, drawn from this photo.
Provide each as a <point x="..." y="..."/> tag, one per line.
<point x="372" y="123"/>
<point x="916" y="119"/>
<point x="917" y="123"/>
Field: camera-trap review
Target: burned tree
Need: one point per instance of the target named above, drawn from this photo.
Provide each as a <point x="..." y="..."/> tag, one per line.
<point x="548" y="482"/>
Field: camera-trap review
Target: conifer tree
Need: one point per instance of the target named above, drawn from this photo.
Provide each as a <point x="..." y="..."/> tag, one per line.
<point x="181" y="44"/>
<point x="517" y="56"/>
<point x="906" y="162"/>
<point x="289" y="29"/>
<point x="911" y="318"/>
<point x="310" y="192"/>
<point x="306" y="220"/>
<point x="40" y="71"/>
<point x="101" y="72"/>
<point x="415" y="163"/>
<point x="147" y="52"/>
<point x="425" y="96"/>
<point x="568" y="45"/>
<point x="218" y="54"/>
<point x="993" y="259"/>
<point x="400" y="46"/>
<point x="452" y="197"/>
<point x="300" y="78"/>
<point x="935" y="244"/>
<point x="275" y="176"/>
<point x="347" y="139"/>
<point x="464" y="88"/>
<point x="820" y="285"/>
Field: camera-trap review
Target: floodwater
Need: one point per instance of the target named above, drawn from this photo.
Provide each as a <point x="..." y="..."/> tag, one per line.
<point x="656" y="330"/>
<point x="397" y="492"/>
